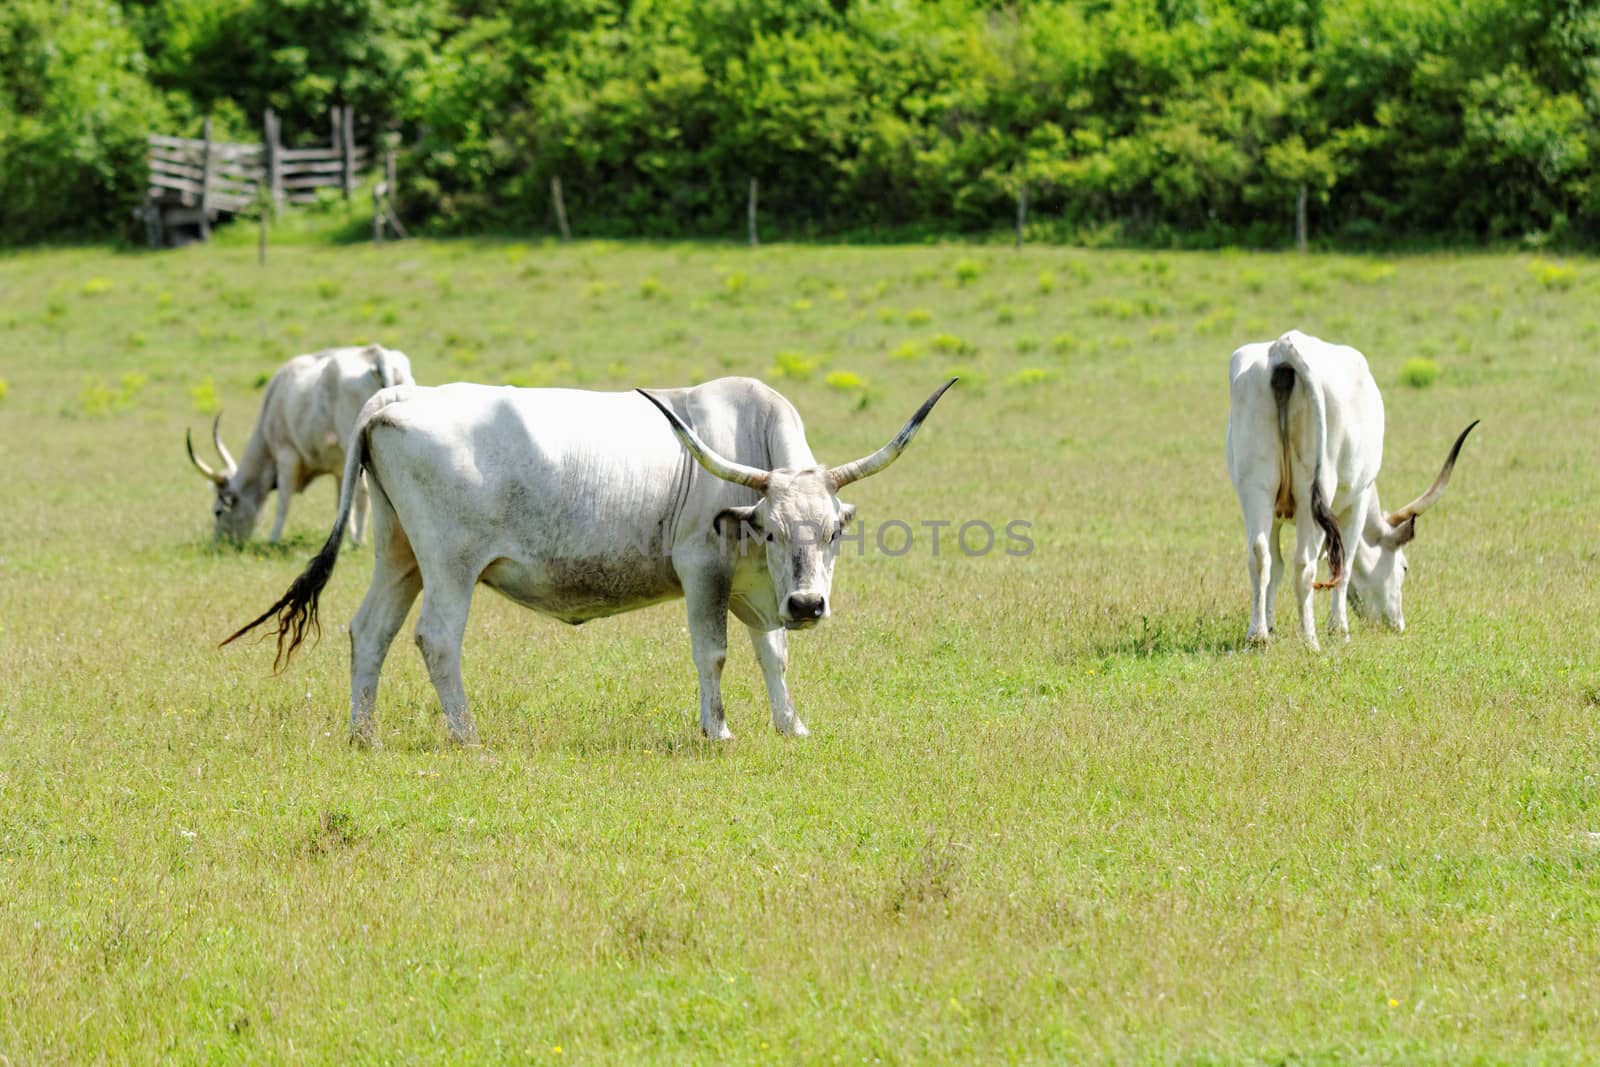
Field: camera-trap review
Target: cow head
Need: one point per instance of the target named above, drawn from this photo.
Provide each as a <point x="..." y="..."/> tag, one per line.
<point x="1380" y="558"/>
<point x="233" y="510"/>
<point x="800" y="517"/>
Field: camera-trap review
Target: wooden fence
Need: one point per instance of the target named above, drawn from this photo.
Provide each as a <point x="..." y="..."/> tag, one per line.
<point x="193" y="182"/>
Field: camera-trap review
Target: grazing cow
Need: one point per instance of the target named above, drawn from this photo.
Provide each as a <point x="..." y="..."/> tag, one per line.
<point x="1305" y="441"/>
<point x="581" y="505"/>
<point x="302" y="432"/>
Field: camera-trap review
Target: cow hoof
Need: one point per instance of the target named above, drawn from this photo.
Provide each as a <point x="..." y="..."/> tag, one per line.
<point x="366" y="740"/>
<point x="720" y="733"/>
<point x="1259" y="639"/>
<point x="795" y="728"/>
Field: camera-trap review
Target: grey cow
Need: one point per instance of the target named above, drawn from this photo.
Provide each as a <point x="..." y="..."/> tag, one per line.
<point x="581" y="505"/>
<point x="303" y="430"/>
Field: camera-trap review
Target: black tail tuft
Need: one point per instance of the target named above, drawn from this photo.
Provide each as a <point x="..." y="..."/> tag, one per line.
<point x="1330" y="527"/>
<point x="296" y="611"/>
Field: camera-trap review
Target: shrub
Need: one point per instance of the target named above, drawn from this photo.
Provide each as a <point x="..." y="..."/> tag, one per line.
<point x="204" y="397"/>
<point x="1554" y="275"/>
<point x="1419" y="372"/>
<point x="791" y="364"/>
<point x="950" y="344"/>
<point x="1029" y="377"/>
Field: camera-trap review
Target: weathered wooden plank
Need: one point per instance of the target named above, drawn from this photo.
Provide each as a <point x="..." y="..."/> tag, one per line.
<point x="320" y="166"/>
<point x="240" y="171"/>
<point x="316" y="152"/>
<point x="347" y="148"/>
<point x="174" y="142"/>
<point x="312" y="181"/>
<point x="176" y="155"/>
<point x="181" y="170"/>
<point x="205" y="182"/>
<point x="244" y="189"/>
<point x="172" y="181"/>
<point x="219" y="149"/>
<point x="273" y="144"/>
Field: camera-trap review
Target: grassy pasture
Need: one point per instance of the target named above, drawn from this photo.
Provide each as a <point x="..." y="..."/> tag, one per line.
<point x="1051" y="808"/>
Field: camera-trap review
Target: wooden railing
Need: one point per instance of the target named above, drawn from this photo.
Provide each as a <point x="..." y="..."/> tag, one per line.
<point x="191" y="180"/>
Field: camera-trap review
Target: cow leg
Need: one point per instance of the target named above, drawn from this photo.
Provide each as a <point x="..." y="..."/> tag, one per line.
<point x="396" y="581"/>
<point x="707" y="600"/>
<point x="358" y="510"/>
<point x="1260" y="536"/>
<point x="288" y="479"/>
<point x="1338" y="619"/>
<point x="441" y="626"/>
<point x="1277" y="572"/>
<point x="1308" y="546"/>
<point x="772" y="649"/>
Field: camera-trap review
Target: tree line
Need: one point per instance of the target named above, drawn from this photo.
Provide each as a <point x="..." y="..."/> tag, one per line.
<point x="1163" y="121"/>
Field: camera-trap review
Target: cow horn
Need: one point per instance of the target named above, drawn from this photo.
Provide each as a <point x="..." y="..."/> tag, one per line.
<point x="222" y="449"/>
<point x="727" y="470"/>
<point x="188" y="441"/>
<point x="1436" y="490"/>
<point x="870" y="465"/>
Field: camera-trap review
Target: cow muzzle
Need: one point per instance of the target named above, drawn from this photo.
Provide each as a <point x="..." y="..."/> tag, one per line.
<point x="803" y="610"/>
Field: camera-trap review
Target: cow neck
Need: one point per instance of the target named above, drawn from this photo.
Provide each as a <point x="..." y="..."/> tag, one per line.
<point x="257" y="467"/>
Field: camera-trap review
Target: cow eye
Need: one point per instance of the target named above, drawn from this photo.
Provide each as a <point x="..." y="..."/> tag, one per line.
<point x="770" y="538"/>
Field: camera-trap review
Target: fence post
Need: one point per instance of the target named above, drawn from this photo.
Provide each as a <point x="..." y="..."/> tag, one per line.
<point x="347" y="149"/>
<point x="560" y="208"/>
<point x="273" y="151"/>
<point x="1300" y="219"/>
<point x="205" y="181"/>
<point x="754" y="238"/>
<point x="1022" y="212"/>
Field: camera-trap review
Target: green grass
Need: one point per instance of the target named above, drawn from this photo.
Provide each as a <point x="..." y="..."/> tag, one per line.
<point x="1051" y="808"/>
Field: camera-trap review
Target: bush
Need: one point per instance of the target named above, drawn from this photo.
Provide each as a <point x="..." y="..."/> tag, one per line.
<point x="1419" y="372"/>
<point x="74" y="111"/>
<point x="1173" y="123"/>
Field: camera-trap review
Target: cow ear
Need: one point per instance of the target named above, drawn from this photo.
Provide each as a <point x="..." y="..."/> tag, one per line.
<point x="737" y="522"/>
<point x="847" y="513"/>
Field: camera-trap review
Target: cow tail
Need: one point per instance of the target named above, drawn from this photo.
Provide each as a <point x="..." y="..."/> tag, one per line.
<point x="1286" y="356"/>
<point x="296" y="611"/>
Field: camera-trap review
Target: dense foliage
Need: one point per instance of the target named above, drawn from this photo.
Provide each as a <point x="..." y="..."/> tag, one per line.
<point x="1155" y="120"/>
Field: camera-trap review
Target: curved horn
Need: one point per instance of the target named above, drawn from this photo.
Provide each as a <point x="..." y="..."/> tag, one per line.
<point x="222" y="449"/>
<point x="870" y="465"/>
<point x="1436" y="490"/>
<point x="726" y="469"/>
<point x="188" y="441"/>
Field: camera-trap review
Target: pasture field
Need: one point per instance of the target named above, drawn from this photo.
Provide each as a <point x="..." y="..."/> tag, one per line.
<point x="1051" y="808"/>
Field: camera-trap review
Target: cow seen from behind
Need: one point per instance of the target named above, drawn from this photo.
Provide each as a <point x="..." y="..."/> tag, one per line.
<point x="1305" y="442"/>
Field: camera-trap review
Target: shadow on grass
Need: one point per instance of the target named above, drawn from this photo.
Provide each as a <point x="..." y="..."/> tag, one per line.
<point x="1155" y="637"/>
<point x="299" y="547"/>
